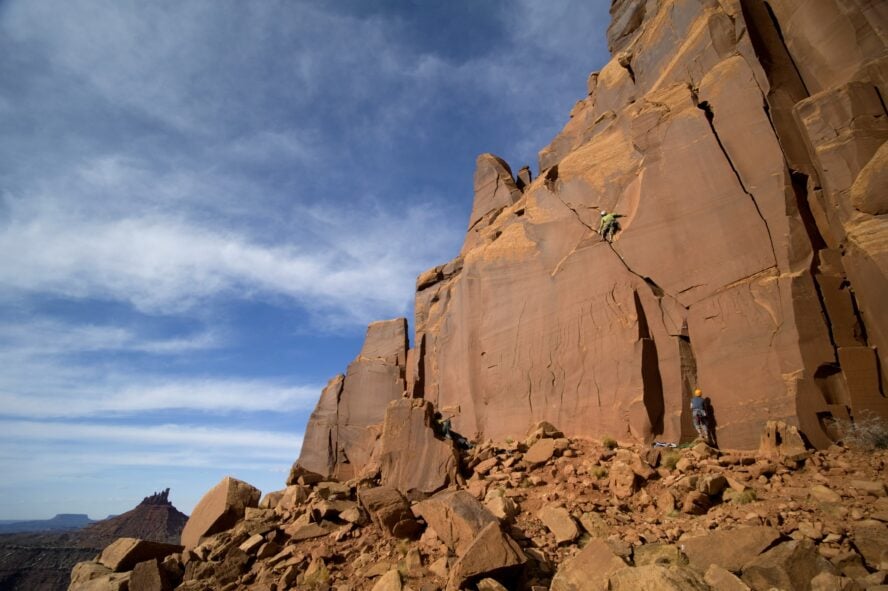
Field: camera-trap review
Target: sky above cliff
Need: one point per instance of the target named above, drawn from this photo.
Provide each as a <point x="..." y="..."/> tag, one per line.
<point x="203" y="203"/>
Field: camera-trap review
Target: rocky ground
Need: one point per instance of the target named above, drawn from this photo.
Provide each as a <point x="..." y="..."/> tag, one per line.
<point x="548" y="513"/>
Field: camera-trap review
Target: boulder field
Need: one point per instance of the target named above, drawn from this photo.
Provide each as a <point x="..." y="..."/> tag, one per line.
<point x="544" y="513"/>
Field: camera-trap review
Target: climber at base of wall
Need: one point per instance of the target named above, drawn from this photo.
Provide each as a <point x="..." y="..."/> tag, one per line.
<point x="702" y="418"/>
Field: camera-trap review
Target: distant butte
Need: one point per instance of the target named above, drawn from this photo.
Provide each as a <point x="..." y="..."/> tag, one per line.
<point x="43" y="561"/>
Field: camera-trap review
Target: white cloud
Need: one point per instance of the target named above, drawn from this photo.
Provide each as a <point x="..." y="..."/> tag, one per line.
<point x="165" y="265"/>
<point x="185" y="436"/>
<point x="38" y="450"/>
<point x="40" y="337"/>
<point x="67" y="392"/>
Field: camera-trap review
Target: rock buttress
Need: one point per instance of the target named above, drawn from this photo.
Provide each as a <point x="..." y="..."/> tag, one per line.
<point x="343" y="430"/>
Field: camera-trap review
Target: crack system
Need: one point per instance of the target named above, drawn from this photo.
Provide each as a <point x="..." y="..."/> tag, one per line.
<point x="710" y="118"/>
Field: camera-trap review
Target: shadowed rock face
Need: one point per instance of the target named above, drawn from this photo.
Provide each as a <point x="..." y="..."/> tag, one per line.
<point x="743" y="144"/>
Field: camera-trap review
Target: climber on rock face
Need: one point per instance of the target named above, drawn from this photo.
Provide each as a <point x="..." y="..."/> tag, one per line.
<point x="443" y="427"/>
<point x="609" y="225"/>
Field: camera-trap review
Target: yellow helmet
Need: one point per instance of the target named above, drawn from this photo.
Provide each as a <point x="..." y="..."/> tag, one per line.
<point x="698" y="392"/>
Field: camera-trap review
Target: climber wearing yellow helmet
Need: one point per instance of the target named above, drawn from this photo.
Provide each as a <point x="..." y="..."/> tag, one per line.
<point x="698" y="413"/>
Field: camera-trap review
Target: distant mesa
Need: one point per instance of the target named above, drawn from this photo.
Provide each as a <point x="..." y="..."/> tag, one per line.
<point x="41" y="558"/>
<point x="61" y="522"/>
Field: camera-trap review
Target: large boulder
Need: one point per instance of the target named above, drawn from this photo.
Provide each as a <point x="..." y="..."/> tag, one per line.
<point x="491" y="553"/>
<point x="456" y="517"/>
<point x="150" y="576"/>
<point x="413" y="458"/>
<point x="656" y="577"/>
<point x="93" y="576"/>
<point x="560" y="523"/>
<point x="219" y="509"/>
<point x="589" y="569"/>
<point x="125" y="553"/>
<point x="389" y="510"/>
<point x="790" y="566"/>
<point x="729" y="549"/>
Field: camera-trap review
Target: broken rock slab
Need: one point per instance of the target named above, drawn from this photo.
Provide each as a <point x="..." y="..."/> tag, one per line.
<point x="389" y="510"/>
<point x="456" y="516"/>
<point x="92" y="576"/>
<point x="789" y="566"/>
<point x="589" y="569"/>
<point x="723" y="579"/>
<point x="540" y="452"/>
<point x="390" y="581"/>
<point x="729" y="549"/>
<point x="491" y="553"/>
<point x="149" y="576"/>
<point x="219" y="509"/>
<point x="781" y="440"/>
<point x="656" y="577"/>
<point x="413" y="460"/>
<point x="124" y="554"/>
<point x="560" y="523"/>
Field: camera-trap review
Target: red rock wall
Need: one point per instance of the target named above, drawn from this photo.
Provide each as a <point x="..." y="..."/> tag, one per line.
<point x="745" y="264"/>
<point x="743" y="141"/>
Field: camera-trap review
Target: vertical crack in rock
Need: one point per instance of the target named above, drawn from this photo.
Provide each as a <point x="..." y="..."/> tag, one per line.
<point x="688" y="371"/>
<point x="776" y="24"/>
<point x="799" y="188"/>
<point x="710" y="118"/>
<point x="651" y="380"/>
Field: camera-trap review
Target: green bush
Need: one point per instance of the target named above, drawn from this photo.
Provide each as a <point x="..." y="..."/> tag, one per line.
<point x="670" y="459"/>
<point x="745" y="497"/>
<point x="609" y="443"/>
<point x="599" y="472"/>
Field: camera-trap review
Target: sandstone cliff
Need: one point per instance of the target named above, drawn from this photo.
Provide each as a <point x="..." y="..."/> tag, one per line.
<point x="743" y="141"/>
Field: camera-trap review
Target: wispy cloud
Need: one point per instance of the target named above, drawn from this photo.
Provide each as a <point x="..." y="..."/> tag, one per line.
<point x="167" y="434"/>
<point x="43" y="337"/>
<point x="132" y="394"/>
<point x="166" y="265"/>
<point x="39" y="450"/>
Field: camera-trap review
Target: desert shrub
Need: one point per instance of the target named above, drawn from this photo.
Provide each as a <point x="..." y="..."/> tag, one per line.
<point x="745" y="497"/>
<point x="599" y="472"/>
<point x="670" y="459"/>
<point x="868" y="432"/>
<point x="609" y="443"/>
<point x="319" y="579"/>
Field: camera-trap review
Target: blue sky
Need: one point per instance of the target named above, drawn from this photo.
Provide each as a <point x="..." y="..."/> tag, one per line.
<point x="203" y="203"/>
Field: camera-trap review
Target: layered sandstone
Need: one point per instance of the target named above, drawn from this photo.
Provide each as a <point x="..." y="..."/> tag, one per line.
<point x="743" y="142"/>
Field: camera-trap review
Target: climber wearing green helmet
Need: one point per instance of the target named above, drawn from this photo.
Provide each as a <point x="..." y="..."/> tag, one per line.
<point x="609" y="225"/>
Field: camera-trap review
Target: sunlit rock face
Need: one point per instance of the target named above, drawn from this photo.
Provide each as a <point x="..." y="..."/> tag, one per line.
<point x="742" y="142"/>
